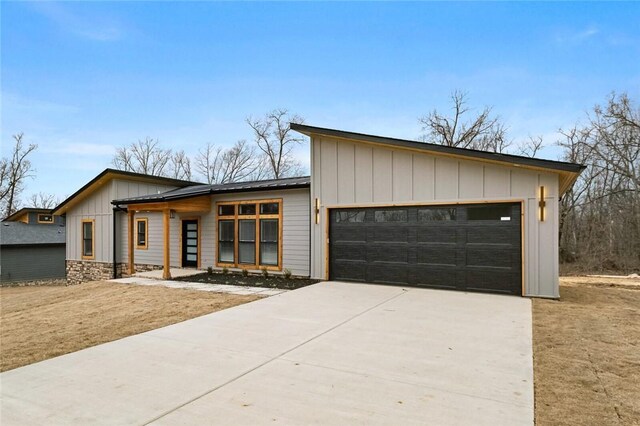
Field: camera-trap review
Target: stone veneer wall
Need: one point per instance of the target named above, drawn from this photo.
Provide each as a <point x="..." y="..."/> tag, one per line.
<point x="79" y="271"/>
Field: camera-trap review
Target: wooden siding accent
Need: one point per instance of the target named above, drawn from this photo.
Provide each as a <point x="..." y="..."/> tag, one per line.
<point x="166" y="272"/>
<point x="189" y="205"/>
<point x="130" y="230"/>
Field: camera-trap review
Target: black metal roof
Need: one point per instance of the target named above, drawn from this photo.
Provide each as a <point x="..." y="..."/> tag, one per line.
<point x="197" y="190"/>
<point x="18" y="233"/>
<point x="431" y="147"/>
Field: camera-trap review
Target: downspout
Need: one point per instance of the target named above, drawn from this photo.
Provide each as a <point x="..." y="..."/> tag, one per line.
<point x="116" y="209"/>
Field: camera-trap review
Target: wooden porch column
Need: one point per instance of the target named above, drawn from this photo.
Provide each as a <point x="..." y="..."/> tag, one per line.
<point x="132" y="268"/>
<point x="166" y="274"/>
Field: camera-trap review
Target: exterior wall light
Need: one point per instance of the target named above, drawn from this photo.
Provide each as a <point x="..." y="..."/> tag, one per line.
<point x="317" y="210"/>
<point x="541" y="204"/>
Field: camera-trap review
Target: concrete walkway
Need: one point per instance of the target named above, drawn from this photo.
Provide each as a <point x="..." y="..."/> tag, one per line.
<point x="330" y="353"/>
<point x="218" y="288"/>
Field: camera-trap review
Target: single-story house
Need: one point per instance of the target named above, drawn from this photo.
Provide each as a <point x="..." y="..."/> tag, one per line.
<point x="375" y="209"/>
<point x="32" y="249"/>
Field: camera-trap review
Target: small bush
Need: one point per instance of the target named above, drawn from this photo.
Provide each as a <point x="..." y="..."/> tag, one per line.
<point x="210" y="270"/>
<point x="245" y="273"/>
<point x="287" y="274"/>
<point x="225" y="271"/>
<point x="265" y="272"/>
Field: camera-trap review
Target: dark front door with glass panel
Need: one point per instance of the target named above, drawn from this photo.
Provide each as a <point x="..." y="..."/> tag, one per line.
<point x="458" y="247"/>
<point x="190" y="243"/>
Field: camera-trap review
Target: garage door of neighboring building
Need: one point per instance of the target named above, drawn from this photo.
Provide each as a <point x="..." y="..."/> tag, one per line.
<point x="474" y="247"/>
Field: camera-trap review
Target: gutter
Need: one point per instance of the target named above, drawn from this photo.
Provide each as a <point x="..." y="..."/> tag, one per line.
<point x="116" y="209"/>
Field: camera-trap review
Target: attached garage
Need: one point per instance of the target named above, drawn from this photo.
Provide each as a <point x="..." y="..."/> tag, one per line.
<point x="470" y="247"/>
<point x="401" y="212"/>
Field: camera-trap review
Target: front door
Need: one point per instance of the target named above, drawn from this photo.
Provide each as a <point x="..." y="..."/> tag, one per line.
<point x="190" y="243"/>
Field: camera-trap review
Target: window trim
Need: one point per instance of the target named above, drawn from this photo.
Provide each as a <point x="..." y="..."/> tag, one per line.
<point x="236" y="229"/>
<point x="47" y="222"/>
<point x="144" y="246"/>
<point x="93" y="239"/>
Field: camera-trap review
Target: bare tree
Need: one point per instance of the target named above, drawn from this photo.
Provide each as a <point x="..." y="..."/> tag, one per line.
<point x="239" y="163"/>
<point x="600" y="215"/>
<point x="145" y="156"/>
<point x="274" y="138"/>
<point x="531" y="146"/>
<point x="180" y="166"/>
<point x="464" y="130"/>
<point x="13" y="173"/>
<point x="43" y="200"/>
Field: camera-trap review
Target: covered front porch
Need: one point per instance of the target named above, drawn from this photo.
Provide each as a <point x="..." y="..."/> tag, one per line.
<point x="189" y="212"/>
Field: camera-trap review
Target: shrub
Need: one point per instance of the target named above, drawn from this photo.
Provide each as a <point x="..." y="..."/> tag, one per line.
<point x="245" y="272"/>
<point x="225" y="270"/>
<point x="265" y="272"/>
<point x="210" y="270"/>
<point x="286" y="273"/>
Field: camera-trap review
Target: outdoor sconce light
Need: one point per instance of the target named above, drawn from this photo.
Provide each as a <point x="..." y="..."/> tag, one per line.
<point x="541" y="204"/>
<point x="172" y="214"/>
<point x="317" y="210"/>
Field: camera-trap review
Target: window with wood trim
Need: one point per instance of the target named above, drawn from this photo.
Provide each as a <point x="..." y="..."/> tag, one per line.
<point x="250" y="234"/>
<point x="142" y="231"/>
<point x="88" y="239"/>
<point x="45" y="218"/>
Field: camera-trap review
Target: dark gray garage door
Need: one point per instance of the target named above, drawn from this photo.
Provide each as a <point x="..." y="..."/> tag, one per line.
<point x="473" y="247"/>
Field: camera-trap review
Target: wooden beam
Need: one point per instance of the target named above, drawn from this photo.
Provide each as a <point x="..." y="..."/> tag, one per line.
<point x="166" y="274"/>
<point x="130" y="233"/>
<point x="201" y="204"/>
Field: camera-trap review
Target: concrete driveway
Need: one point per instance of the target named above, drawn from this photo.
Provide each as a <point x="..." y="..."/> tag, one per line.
<point x="332" y="353"/>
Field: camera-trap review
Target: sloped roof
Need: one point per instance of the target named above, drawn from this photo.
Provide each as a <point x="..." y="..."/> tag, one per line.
<point x="108" y="174"/>
<point x="18" y="233"/>
<point x="198" y="190"/>
<point x="23" y="211"/>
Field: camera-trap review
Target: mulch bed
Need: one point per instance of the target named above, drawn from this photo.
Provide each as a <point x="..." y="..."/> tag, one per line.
<point x="272" y="281"/>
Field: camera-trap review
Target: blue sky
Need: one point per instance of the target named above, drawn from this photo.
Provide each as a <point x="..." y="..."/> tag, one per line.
<point x="82" y="78"/>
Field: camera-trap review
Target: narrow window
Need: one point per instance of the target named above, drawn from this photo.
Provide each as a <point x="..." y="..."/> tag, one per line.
<point x="351" y="216"/>
<point x="225" y="241"/>
<point x="247" y="241"/>
<point x="226" y="210"/>
<point x="490" y="212"/>
<point x="45" y="218"/>
<point x="247" y="209"/>
<point x="391" y="215"/>
<point x="268" y="241"/>
<point x="269" y="208"/>
<point x="87" y="239"/>
<point x="141" y="233"/>
<point x="436" y="214"/>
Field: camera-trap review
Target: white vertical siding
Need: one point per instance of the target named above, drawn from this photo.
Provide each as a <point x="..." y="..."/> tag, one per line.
<point x="387" y="175"/>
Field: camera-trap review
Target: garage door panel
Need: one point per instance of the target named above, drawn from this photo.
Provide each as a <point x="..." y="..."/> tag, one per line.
<point x="388" y="273"/>
<point x="433" y="276"/>
<point x="398" y="253"/>
<point x="489" y="255"/>
<point x="441" y="247"/>
<point x="350" y="251"/>
<point x="436" y="234"/>
<point x="349" y="271"/>
<point x="436" y="254"/>
<point x="381" y="234"/>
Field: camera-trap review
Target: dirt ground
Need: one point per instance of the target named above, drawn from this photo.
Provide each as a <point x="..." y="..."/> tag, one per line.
<point x="587" y="353"/>
<point x="38" y="323"/>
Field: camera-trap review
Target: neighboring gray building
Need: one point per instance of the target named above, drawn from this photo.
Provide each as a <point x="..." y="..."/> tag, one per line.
<point x="31" y="252"/>
<point x="375" y="209"/>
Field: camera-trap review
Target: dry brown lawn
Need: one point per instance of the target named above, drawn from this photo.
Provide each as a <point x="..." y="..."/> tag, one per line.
<point x="38" y="323"/>
<point x="587" y="354"/>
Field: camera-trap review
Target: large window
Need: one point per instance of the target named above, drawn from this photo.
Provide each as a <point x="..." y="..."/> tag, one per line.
<point x="141" y="233"/>
<point x="88" y="239"/>
<point x="249" y="234"/>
